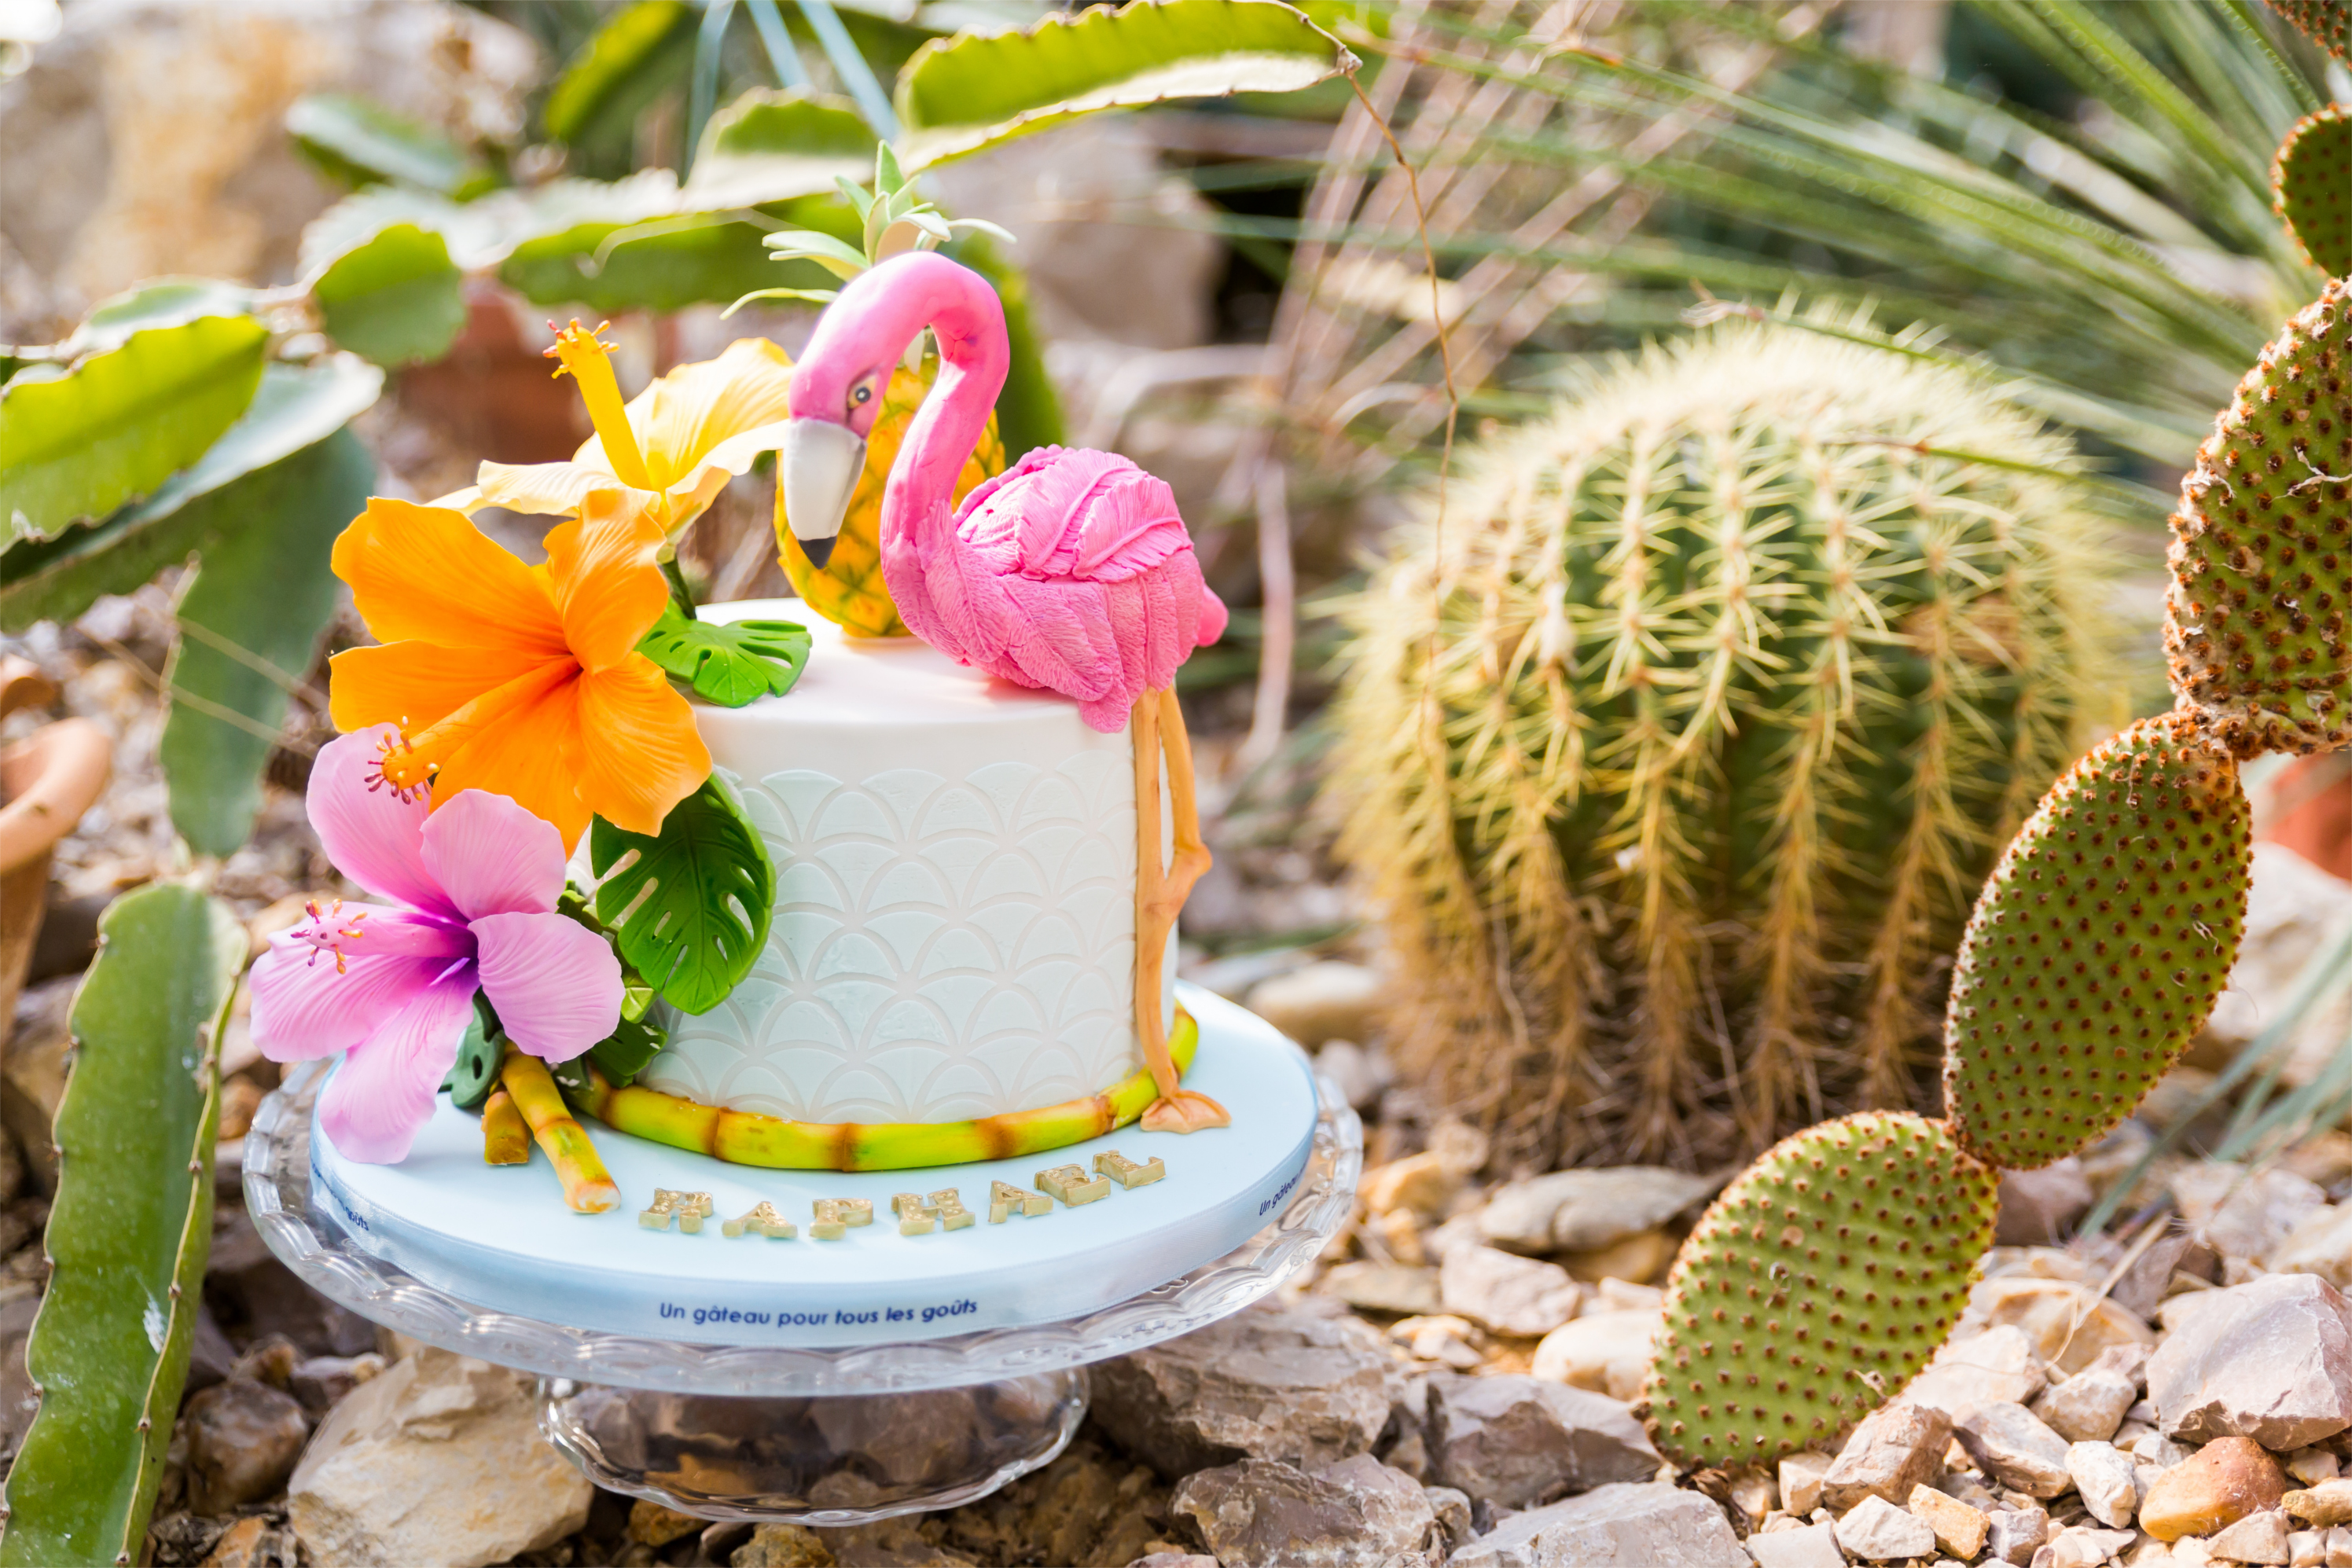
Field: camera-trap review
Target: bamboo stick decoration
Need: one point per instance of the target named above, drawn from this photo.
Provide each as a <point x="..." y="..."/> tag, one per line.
<point x="506" y="1140"/>
<point x="586" y="1186"/>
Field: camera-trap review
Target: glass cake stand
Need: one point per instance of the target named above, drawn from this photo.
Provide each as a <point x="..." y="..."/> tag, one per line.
<point x="825" y="1437"/>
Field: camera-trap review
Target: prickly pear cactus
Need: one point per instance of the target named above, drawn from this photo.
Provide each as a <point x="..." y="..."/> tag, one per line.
<point x="2312" y="179"/>
<point x="2327" y="23"/>
<point x="2258" y="621"/>
<point x="1688" y="742"/>
<point x="2099" y="946"/>
<point x="1818" y="1284"/>
<point x="849" y="590"/>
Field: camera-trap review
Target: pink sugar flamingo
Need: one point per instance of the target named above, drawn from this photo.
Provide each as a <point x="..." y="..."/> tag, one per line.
<point x="1071" y="571"/>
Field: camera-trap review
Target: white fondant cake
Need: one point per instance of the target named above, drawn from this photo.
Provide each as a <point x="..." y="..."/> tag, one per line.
<point x="954" y="932"/>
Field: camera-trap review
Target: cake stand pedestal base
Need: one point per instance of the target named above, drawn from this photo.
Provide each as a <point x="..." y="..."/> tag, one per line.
<point x="842" y="1460"/>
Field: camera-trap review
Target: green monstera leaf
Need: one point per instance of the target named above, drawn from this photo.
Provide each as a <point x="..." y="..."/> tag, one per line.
<point x="729" y="662"/>
<point x="689" y="907"/>
<point x="81" y="443"/>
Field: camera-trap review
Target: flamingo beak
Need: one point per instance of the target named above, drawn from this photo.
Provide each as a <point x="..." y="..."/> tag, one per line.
<point x="819" y="469"/>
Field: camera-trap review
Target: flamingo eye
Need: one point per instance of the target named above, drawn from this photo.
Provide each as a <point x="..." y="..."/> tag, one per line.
<point x="862" y="395"/>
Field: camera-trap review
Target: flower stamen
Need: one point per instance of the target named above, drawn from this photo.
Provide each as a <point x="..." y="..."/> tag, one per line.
<point x="391" y="769"/>
<point x="588" y="359"/>
<point x="324" y="935"/>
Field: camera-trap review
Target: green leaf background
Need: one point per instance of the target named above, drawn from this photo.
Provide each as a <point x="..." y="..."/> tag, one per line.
<point x="397" y="299"/>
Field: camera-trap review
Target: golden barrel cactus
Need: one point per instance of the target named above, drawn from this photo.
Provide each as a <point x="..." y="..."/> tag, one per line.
<point x="1674" y="752"/>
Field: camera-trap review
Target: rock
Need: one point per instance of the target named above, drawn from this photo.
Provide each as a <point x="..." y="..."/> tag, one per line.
<point x="1607" y="1353"/>
<point x="252" y="1542"/>
<point x="1421" y="1184"/>
<point x="2080" y="1546"/>
<point x="1514" y="1441"/>
<point x="1264" y="1513"/>
<point x="1325" y="1001"/>
<point x="19" y="1400"/>
<point x="1641" y="1257"/>
<point x="2321" y="1244"/>
<point x="1359" y="1075"/>
<point x="1624" y="1296"/>
<point x="254" y="1295"/>
<point x="2313" y="1465"/>
<point x="651" y="1524"/>
<point x="2294" y="910"/>
<point x="2104" y="1479"/>
<point x="770" y="1546"/>
<point x="2218" y="1485"/>
<point x="1452" y="1341"/>
<point x="2015" y="1534"/>
<point x="1509" y="1293"/>
<point x="1877" y="1531"/>
<point x="2257" y="1538"/>
<point x="1801" y="1476"/>
<point x="1582" y="1211"/>
<point x="2065" y="1325"/>
<point x="242" y="1438"/>
<point x="1647" y="1523"/>
<point x="2240" y="1213"/>
<point x="321" y="1381"/>
<point x="1383" y="1287"/>
<point x="2307" y="1548"/>
<point x="1896" y="1446"/>
<point x="1959" y="1528"/>
<point x="1087" y="1506"/>
<point x="2088" y="1407"/>
<point x="1452" y="1507"/>
<point x="2009" y="1444"/>
<point x="1174" y="1560"/>
<point x="2039" y="1207"/>
<point x="438" y="1463"/>
<point x="1983" y="1369"/>
<point x="1267" y="1384"/>
<point x="2340" y="1547"/>
<point x="2269" y="1360"/>
<point x="1808" y="1546"/>
<point x="2329" y="1502"/>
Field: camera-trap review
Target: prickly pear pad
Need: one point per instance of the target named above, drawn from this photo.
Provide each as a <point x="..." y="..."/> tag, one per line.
<point x="2327" y="23"/>
<point x="2258" y="621"/>
<point x="2099" y="946"/>
<point x="2313" y="178"/>
<point x="1816" y="1287"/>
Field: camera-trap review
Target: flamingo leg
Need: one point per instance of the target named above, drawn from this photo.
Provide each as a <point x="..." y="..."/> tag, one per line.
<point x="1160" y="894"/>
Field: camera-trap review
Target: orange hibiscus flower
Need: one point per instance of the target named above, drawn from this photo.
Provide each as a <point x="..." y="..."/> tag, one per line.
<point x="523" y="681"/>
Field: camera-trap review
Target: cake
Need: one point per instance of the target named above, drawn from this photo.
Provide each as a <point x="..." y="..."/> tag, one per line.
<point x="954" y="927"/>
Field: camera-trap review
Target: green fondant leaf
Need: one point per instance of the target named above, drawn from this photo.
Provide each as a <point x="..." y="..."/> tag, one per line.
<point x="689" y="907"/>
<point x="729" y="663"/>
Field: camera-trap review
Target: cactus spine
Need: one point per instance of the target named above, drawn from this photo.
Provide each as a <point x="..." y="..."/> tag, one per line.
<point x="2107" y="930"/>
<point x="1676" y="758"/>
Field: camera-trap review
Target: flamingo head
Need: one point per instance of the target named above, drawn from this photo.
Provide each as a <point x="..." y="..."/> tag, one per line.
<point x="835" y="393"/>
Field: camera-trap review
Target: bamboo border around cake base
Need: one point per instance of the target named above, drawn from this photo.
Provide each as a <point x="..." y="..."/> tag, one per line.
<point x="750" y="1138"/>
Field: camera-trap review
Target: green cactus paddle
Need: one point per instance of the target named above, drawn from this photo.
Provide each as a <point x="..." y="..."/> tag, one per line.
<point x="2312" y="179"/>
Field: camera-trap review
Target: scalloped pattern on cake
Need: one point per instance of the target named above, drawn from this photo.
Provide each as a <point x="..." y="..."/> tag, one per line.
<point x="945" y="947"/>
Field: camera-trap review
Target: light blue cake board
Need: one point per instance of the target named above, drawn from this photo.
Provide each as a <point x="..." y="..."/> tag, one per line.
<point x="500" y="1236"/>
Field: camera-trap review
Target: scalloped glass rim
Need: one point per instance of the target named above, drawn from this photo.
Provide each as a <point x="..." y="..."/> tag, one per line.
<point x="325" y="1257"/>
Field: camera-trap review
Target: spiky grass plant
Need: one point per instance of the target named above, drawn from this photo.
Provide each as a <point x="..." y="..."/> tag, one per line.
<point x="1674" y="757"/>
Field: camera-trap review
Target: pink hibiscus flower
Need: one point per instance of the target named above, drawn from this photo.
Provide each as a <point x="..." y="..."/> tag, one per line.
<point x="470" y="895"/>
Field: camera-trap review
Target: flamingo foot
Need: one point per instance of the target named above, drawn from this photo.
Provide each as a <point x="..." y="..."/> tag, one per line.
<point x="1186" y="1110"/>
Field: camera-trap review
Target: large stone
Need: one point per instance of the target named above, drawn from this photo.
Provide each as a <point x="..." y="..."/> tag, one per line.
<point x="1875" y="1530"/>
<point x="2218" y="1485"/>
<point x="1265" y="1384"/>
<point x="1320" y="1002"/>
<point x="122" y="192"/>
<point x="1607" y="1353"/>
<point x="1649" y="1524"/>
<point x="1981" y="1369"/>
<point x="2241" y="1214"/>
<point x="2105" y="1479"/>
<point x="1801" y="1476"/>
<point x="2039" y="1207"/>
<point x="2015" y="1534"/>
<point x="2080" y="1546"/>
<point x="2257" y="1538"/>
<point x="242" y="1438"/>
<point x="1509" y="1293"/>
<point x="1372" y="1287"/>
<point x="1808" y="1546"/>
<point x="1514" y="1441"/>
<point x="2321" y="1245"/>
<point x="2065" y="1325"/>
<point x="1582" y="1211"/>
<point x="2011" y="1444"/>
<point x="1896" y="1446"/>
<point x="1264" y="1513"/>
<point x="1959" y="1528"/>
<point x="1087" y="1506"/>
<point x="2269" y="1360"/>
<point x="2329" y="1502"/>
<point x="438" y="1463"/>
<point x="2088" y="1407"/>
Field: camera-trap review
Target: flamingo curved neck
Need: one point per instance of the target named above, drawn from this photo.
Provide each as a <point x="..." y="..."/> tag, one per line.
<point x="968" y="319"/>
